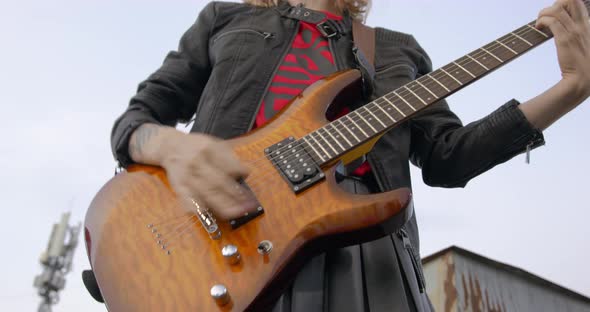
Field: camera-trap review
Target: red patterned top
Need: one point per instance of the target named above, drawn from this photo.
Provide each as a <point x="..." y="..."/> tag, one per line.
<point x="308" y="61"/>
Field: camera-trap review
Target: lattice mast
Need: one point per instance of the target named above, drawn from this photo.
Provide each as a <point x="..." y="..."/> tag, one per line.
<point x="56" y="262"/>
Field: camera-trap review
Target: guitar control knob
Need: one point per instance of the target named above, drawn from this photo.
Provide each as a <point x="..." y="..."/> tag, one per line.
<point x="265" y="247"/>
<point x="230" y="254"/>
<point x="220" y="294"/>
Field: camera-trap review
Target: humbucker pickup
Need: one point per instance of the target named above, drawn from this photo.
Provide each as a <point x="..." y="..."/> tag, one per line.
<point x="295" y="164"/>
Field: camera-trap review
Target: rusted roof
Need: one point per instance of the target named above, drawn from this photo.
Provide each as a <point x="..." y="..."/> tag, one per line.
<point x="463" y="286"/>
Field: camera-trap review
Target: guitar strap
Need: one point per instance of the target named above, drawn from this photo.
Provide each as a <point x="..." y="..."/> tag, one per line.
<point x="364" y="39"/>
<point x="364" y="52"/>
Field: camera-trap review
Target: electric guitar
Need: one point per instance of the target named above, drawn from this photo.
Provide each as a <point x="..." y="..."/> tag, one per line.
<point x="148" y="253"/>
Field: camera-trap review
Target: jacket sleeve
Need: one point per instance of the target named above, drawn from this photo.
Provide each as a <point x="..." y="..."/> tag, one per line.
<point x="171" y="93"/>
<point x="450" y="154"/>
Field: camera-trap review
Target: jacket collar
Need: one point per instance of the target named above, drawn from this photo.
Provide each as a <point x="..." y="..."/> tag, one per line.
<point x="301" y="13"/>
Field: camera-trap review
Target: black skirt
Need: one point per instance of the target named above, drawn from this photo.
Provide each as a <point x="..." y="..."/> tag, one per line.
<point x="376" y="276"/>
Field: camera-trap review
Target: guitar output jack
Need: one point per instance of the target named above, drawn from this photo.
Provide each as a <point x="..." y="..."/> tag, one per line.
<point x="264" y="247"/>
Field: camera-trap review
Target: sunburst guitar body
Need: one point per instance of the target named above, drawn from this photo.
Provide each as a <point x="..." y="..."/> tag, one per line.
<point x="149" y="253"/>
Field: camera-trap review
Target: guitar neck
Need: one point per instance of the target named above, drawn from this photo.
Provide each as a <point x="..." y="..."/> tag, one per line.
<point x="373" y="119"/>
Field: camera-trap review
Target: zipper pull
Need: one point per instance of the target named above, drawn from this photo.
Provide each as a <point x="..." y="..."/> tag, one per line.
<point x="415" y="262"/>
<point x="267" y="35"/>
<point x="405" y="239"/>
<point x="528" y="153"/>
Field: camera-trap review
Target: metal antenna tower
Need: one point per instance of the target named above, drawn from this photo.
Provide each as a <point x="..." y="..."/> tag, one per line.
<point x="56" y="262"/>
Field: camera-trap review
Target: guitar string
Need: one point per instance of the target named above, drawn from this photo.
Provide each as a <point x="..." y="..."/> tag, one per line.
<point x="261" y="179"/>
<point x="254" y="186"/>
<point x="403" y="93"/>
<point x="465" y="62"/>
<point x="162" y="241"/>
<point x="161" y="231"/>
<point x="180" y="234"/>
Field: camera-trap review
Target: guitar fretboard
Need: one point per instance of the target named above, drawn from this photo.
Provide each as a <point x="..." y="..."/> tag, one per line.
<point x="358" y="127"/>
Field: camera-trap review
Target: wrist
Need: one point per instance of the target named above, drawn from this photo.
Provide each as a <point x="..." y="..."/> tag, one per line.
<point x="168" y="143"/>
<point x="576" y="88"/>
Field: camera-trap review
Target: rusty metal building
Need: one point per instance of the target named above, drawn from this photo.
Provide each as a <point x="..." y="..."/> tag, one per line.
<point x="460" y="280"/>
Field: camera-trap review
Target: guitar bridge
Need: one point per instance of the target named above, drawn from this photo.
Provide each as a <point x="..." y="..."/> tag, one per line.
<point x="295" y="164"/>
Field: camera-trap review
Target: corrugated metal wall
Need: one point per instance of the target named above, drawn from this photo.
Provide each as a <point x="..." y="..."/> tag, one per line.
<point x="458" y="280"/>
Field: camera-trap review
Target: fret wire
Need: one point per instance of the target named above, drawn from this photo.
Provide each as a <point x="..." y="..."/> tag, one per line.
<point x="379" y="120"/>
<point x="332" y="137"/>
<point x="507" y="47"/>
<point x="474" y="67"/>
<point x="422" y="88"/>
<point x="515" y="43"/>
<point x="388" y="101"/>
<point x="320" y="145"/>
<point x="347" y="129"/>
<point x="357" y="126"/>
<point x="363" y="119"/>
<point x="416" y="95"/>
<point x="535" y="28"/>
<point x="427" y="89"/>
<point x="490" y="53"/>
<point x="531" y="36"/>
<point x="521" y="38"/>
<point x="384" y="111"/>
<point x="465" y="70"/>
<point x="407" y="103"/>
<point x="436" y="80"/>
<point x="480" y="64"/>
<point x="313" y="148"/>
<point x="340" y="133"/>
<point x="459" y="82"/>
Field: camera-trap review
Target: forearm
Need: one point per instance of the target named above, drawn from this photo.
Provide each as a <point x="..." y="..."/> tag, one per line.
<point x="543" y="110"/>
<point x="148" y="143"/>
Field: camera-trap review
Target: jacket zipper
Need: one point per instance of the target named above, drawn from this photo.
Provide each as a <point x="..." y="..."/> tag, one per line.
<point x="274" y="72"/>
<point x="408" y="246"/>
<point x="534" y="142"/>
<point x="264" y="34"/>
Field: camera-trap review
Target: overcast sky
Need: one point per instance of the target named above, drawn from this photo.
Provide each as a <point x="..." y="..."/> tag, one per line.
<point x="69" y="67"/>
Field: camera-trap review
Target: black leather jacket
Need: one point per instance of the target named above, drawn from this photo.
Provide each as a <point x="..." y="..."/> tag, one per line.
<point x="226" y="60"/>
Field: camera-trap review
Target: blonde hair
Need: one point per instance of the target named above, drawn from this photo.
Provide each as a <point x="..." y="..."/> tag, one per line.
<point x="358" y="9"/>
